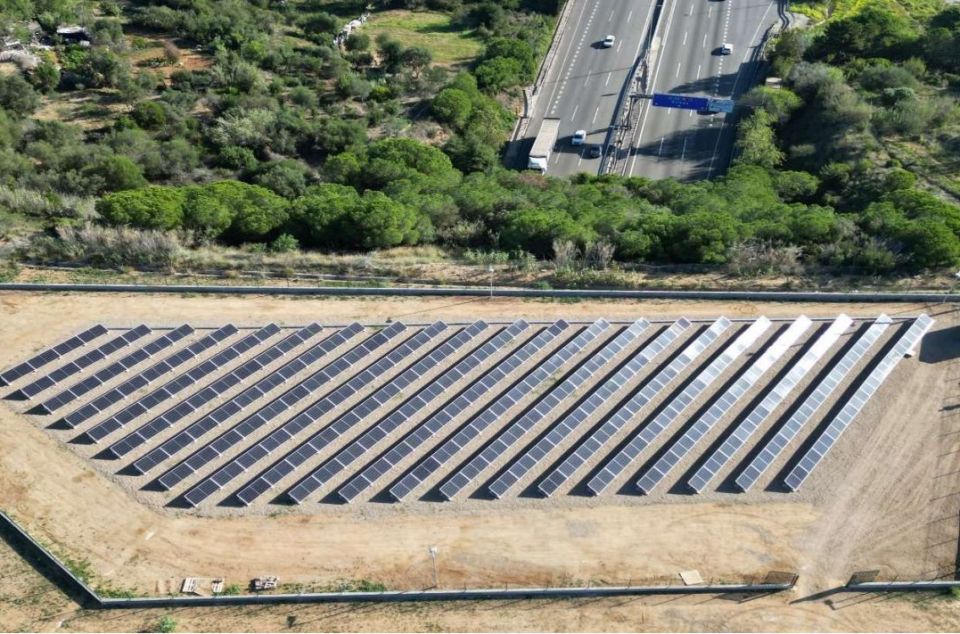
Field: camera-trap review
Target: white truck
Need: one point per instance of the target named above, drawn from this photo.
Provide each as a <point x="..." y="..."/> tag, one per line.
<point x="543" y="145"/>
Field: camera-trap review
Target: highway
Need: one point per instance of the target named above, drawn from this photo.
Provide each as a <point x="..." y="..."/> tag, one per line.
<point x="682" y="144"/>
<point x="584" y="83"/>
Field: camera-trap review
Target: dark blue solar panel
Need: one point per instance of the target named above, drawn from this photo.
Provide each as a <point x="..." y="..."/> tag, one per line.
<point x="19" y="371"/>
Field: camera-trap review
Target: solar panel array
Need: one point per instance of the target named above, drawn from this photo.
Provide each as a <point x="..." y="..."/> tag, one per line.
<point x="143" y="379"/>
<point x="77" y="366"/>
<point x="114" y="370"/>
<point x="648" y="433"/>
<point x="724" y="404"/>
<point x="590" y="445"/>
<point x="465" y="399"/>
<point x="528" y="385"/>
<point x="437" y="422"/>
<point x="316" y="443"/>
<point x="312" y="414"/>
<point x="234" y="405"/>
<point x="169" y="390"/>
<point x="7" y="377"/>
<point x="804" y="413"/>
<point x="417" y="403"/>
<point x="855" y="404"/>
<point x="752" y="421"/>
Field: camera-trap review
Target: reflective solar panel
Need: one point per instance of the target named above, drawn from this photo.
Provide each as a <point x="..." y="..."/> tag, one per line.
<point x="64" y="372"/>
<point x="148" y="376"/>
<point x="722" y="405"/>
<point x="316" y="443"/>
<point x="590" y="445"/>
<point x="752" y="421"/>
<point x="854" y="405"/>
<point x="521" y="466"/>
<point x="420" y="434"/>
<point x="172" y="387"/>
<point x="648" y="433"/>
<point x="811" y="404"/>
<point x="492" y="412"/>
<point x="235" y="404"/>
<point x="51" y="354"/>
<point x="312" y="414"/>
<point x="114" y="370"/>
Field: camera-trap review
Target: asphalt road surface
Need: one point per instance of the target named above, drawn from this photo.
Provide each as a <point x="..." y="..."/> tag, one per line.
<point x="683" y="144"/>
<point x="585" y="81"/>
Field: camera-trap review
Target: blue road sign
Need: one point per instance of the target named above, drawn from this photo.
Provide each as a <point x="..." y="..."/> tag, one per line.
<point x="719" y="105"/>
<point x="667" y="100"/>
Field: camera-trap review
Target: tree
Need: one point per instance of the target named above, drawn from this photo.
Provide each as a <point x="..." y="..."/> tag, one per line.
<point x="875" y="31"/>
<point x="932" y="244"/>
<point x="115" y="173"/>
<point x="391" y="53"/>
<point x="357" y="41"/>
<point x="513" y="49"/>
<point x="318" y="217"/>
<point x="499" y="73"/>
<point x="779" y="103"/>
<point x="257" y="210"/>
<point x="146" y="208"/>
<point x="453" y="107"/>
<point x="17" y="95"/>
<point x="150" y="115"/>
<point x="417" y="58"/>
<point x="205" y="213"/>
<point x="380" y="223"/>
<point x="46" y="76"/>
<point x="757" y="142"/>
<point x="535" y="230"/>
<point x="287" y="178"/>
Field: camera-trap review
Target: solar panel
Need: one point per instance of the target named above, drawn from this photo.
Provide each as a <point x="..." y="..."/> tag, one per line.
<point x="419" y="402"/>
<point x="590" y="445"/>
<point x="752" y="421"/>
<point x="76" y="366"/>
<point x="316" y="443"/>
<point x="648" y="433"/>
<point x="114" y="370"/>
<point x="854" y="405"/>
<point x="492" y="412"/>
<point x="811" y="404"/>
<point x="51" y="354"/>
<point x="426" y="430"/>
<point x="148" y="376"/>
<point x="518" y="429"/>
<point x="192" y="403"/>
<point x="600" y="396"/>
<point x="268" y="412"/>
<point x="722" y="405"/>
<point x="307" y="417"/>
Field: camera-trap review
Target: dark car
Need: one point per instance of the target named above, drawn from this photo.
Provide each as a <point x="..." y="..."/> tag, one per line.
<point x="596" y="151"/>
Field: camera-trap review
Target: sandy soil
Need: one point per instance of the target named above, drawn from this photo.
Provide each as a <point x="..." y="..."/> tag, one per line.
<point x="892" y="505"/>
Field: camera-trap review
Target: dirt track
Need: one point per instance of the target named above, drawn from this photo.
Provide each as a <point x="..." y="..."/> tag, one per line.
<point x="893" y="506"/>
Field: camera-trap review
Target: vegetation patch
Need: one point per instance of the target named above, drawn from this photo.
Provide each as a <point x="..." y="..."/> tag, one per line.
<point x="448" y="43"/>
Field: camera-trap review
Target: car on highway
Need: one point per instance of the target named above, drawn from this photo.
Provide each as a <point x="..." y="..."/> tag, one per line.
<point x="608" y="41"/>
<point x="726" y="48"/>
<point x="596" y="151"/>
<point x="579" y="137"/>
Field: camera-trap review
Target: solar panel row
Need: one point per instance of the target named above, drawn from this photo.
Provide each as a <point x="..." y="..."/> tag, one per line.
<point x="752" y="421"/>
<point x="648" y="433"/>
<point x="722" y="405"/>
<point x="143" y="379"/>
<point x="76" y="366"/>
<point x="540" y="409"/>
<point x="802" y="414"/>
<point x="312" y="414"/>
<point x="19" y="371"/>
<point x="435" y="424"/>
<point x="272" y="410"/>
<point x="589" y="446"/>
<point x="499" y="487"/>
<point x="114" y="370"/>
<point x="417" y="403"/>
<point x="197" y="400"/>
<point x="854" y="405"/>
<point x="316" y="443"/>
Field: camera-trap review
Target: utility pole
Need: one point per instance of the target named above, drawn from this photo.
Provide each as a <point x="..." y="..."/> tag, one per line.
<point x="490" y="271"/>
<point x="433" y="555"/>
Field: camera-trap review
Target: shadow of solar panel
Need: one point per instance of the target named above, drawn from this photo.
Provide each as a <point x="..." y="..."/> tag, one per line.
<point x="312" y="414"/>
<point x="753" y="420"/>
<point x="721" y="406"/>
<point x="316" y="443"/>
<point x="36" y="362"/>
<point x="114" y="370"/>
<point x="854" y="405"/>
<point x="810" y="405"/>
<point x="651" y="431"/>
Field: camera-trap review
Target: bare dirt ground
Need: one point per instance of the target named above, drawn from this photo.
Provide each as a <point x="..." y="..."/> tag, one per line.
<point x="893" y="506"/>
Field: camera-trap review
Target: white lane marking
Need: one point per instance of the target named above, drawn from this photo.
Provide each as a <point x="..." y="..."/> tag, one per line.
<point x="660" y="151"/>
<point x="611" y="17"/>
<point x="685" y="34"/>
<point x="699" y="68"/>
<point x="594" y="120"/>
<point x="709" y="11"/>
<point x="587" y="80"/>
<point x="630" y="15"/>
<point x="619" y="45"/>
<point x="704" y="45"/>
<point x="574" y="115"/>
<point x="609" y="75"/>
<point x="678" y="69"/>
<point x="683" y="152"/>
